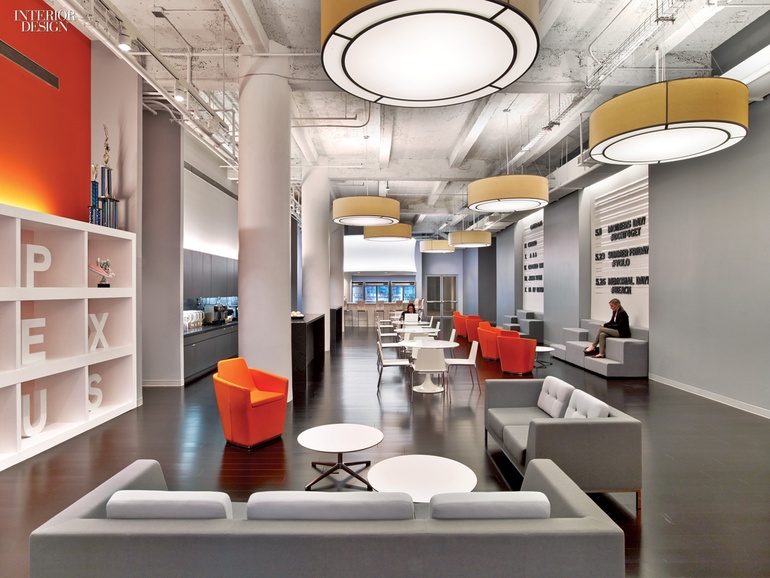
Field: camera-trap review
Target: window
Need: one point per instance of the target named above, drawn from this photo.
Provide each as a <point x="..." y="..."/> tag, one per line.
<point x="358" y="293"/>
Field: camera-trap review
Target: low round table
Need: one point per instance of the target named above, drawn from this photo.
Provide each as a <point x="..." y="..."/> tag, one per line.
<point x="421" y="476"/>
<point x="340" y="438"/>
<point x="542" y="349"/>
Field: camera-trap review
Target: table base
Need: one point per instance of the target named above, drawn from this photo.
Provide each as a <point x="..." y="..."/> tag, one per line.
<point x="428" y="386"/>
<point x="336" y="467"/>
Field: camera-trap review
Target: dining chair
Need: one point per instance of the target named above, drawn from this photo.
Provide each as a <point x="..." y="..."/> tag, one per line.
<point x="430" y="361"/>
<point x="383" y="363"/>
<point x="470" y="363"/>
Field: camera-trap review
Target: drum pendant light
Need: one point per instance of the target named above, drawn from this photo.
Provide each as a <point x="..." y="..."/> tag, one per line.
<point x="366" y="211"/>
<point x="436" y="246"/>
<point x="470" y="239"/>
<point x="389" y="233"/>
<point x="508" y="193"/>
<point x="670" y="121"/>
<point x="423" y="53"/>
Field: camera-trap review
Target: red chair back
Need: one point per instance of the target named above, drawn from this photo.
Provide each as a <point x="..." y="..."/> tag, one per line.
<point x="461" y="325"/>
<point x="472" y="323"/>
<point x="517" y="355"/>
<point x="509" y="333"/>
<point x="488" y="341"/>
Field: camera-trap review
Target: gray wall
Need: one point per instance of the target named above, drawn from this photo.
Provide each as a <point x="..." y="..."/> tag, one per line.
<point x="470" y="285"/>
<point x="710" y="270"/>
<point x="487" y="286"/>
<point x="162" y="251"/>
<point x="507" y="288"/>
<point x="562" y="299"/>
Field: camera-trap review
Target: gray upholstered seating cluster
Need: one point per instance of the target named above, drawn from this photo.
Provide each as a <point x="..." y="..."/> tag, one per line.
<point x="596" y="445"/>
<point x="132" y="526"/>
<point x="530" y="326"/>
<point x="625" y="357"/>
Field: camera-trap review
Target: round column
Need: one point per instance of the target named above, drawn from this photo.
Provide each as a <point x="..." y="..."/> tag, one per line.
<point x="264" y="260"/>
<point x="316" y="216"/>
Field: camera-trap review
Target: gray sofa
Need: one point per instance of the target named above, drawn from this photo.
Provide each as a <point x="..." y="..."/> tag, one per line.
<point x="601" y="454"/>
<point x="577" y="539"/>
<point x="625" y="357"/>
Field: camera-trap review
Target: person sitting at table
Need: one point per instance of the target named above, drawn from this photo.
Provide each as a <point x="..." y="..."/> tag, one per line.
<point x="409" y="309"/>
<point x="615" y="327"/>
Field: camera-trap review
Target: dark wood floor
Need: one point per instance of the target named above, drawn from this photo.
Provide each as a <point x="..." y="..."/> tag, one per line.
<point x="706" y="489"/>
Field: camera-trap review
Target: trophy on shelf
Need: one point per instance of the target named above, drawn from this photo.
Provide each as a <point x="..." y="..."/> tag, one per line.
<point x="102" y="268"/>
<point x="103" y="209"/>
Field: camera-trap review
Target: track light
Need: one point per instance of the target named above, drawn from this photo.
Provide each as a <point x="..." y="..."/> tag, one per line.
<point x="124" y="40"/>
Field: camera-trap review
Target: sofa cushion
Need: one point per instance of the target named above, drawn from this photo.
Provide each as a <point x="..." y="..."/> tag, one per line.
<point x="499" y="417"/>
<point x="490" y="505"/>
<point x="515" y="441"/>
<point x="554" y="396"/>
<point x="326" y="506"/>
<point x="163" y="505"/>
<point x="583" y="405"/>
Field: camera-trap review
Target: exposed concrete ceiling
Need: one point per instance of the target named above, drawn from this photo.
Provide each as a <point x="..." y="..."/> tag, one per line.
<point x="425" y="157"/>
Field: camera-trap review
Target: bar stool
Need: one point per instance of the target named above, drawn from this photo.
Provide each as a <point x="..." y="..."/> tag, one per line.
<point x="379" y="312"/>
<point x="348" y="315"/>
<point x="361" y="308"/>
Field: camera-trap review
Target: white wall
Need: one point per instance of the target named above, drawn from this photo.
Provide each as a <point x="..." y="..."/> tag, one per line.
<point x="210" y="214"/>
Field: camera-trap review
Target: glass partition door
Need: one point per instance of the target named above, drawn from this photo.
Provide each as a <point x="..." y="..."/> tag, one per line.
<point x="441" y="295"/>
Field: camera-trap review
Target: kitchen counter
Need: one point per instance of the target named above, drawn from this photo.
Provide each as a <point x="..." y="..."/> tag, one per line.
<point x="207" y="328"/>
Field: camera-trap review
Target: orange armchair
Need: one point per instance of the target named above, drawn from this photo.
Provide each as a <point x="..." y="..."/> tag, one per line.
<point x="472" y="323"/>
<point x="252" y="403"/>
<point x="488" y="341"/>
<point x="461" y="325"/>
<point x="517" y="355"/>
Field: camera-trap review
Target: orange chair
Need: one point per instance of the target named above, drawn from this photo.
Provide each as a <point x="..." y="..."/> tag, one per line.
<point x="472" y="323"/>
<point x="488" y="341"/>
<point x="252" y="403"/>
<point x="517" y="355"/>
<point x="461" y="325"/>
<point x="509" y="333"/>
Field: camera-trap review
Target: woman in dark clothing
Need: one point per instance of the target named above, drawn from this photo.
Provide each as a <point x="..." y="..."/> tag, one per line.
<point x="409" y="309"/>
<point x="615" y="327"/>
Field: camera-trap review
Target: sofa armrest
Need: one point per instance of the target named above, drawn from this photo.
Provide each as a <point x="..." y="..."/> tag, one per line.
<point x="599" y="454"/>
<point x="512" y="392"/>
<point x="140" y="475"/>
<point x="269" y="382"/>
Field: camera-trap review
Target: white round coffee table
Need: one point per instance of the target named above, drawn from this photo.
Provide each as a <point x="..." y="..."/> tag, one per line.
<point x="542" y="349"/>
<point x="421" y="476"/>
<point x="340" y="438"/>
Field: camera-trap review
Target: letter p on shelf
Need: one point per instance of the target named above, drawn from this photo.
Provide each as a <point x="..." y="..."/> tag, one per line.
<point x="34" y="265"/>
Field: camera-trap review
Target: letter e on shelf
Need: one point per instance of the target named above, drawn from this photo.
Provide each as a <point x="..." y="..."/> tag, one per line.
<point x="28" y="340"/>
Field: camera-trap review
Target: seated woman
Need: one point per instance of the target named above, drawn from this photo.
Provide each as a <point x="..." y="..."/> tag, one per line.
<point x="615" y="327"/>
<point x="409" y="309"/>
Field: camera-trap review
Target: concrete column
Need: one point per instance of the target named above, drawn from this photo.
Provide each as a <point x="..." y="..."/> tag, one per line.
<point x="337" y="267"/>
<point x="316" y="216"/>
<point x="264" y="260"/>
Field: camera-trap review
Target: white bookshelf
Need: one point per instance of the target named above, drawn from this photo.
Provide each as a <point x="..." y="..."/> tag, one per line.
<point x="68" y="347"/>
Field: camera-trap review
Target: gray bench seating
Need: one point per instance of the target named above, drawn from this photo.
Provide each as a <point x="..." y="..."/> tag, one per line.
<point x="526" y="419"/>
<point x="625" y="357"/>
<point x="530" y="326"/>
<point x="116" y="531"/>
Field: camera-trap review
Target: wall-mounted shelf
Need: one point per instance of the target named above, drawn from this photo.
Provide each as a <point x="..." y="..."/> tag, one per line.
<point x="68" y="354"/>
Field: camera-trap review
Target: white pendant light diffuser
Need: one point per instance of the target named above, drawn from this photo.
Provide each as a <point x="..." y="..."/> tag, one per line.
<point x="423" y="53"/>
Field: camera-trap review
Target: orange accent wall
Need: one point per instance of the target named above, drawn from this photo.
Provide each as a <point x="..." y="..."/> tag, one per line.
<point x="45" y="133"/>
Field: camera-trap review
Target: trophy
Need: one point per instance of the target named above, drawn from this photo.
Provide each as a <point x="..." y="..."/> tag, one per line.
<point x="102" y="268"/>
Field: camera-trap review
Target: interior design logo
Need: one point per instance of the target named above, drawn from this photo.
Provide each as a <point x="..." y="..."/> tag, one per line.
<point x="44" y="20"/>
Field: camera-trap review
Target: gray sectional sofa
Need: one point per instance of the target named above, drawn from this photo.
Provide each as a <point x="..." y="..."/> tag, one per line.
<point x="526" y="419"/>
<point x="625" y="357"/>
<point x="320" y="533"/>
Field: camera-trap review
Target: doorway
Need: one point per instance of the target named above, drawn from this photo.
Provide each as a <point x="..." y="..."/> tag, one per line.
<point x="441" y="295"/>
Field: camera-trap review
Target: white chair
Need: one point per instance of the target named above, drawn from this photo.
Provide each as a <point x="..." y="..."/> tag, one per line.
<point x="452" y="337"/>
<point x="436" y="329"/>
<point x="429" y="361"/>
<point x="419" y="337"/>
<point x="470" y="363"/>
<point x="386" y="333"/>
<point x="383" y="363"/>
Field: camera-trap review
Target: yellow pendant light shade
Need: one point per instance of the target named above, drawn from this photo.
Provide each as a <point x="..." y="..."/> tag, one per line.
<point x="366" y="211"/>
<point x="670" y="121"/>
<point x="436" y="246"/>
<point x="508" y="193"/>
<point x="397" y="232"/>
<point x="470" y="239"/>
<point x="422" y="53"/>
